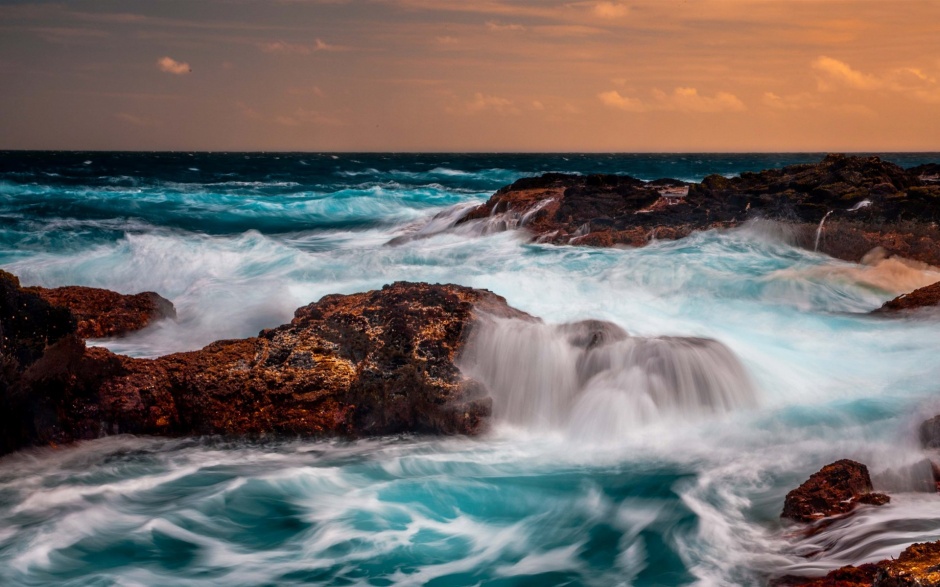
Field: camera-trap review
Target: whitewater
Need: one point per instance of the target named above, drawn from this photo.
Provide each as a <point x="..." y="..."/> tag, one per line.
<point x="602" y="468"/>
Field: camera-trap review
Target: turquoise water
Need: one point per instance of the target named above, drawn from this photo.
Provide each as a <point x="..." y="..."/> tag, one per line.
<point x="238" y="241"/>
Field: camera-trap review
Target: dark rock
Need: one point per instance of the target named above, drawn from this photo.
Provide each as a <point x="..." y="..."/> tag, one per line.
<point x="872" y="203"/>
<point x="929" y="172"/>
<point x="930" y="433"/>
<point x="376" y="363"/>
<point x="103" y="313"/>
<point x="835" y="489"/>
<point x="28" y="323"/>
<point x="924" y="297"/>
<point x="862" y="575"/>
<point x="917" y="566"/>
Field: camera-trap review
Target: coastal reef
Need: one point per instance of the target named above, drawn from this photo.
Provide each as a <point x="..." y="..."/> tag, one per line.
<point x="843" y="206"/>
<point x="380" y="362"/>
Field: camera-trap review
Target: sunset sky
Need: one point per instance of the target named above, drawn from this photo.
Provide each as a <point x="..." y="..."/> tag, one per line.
<point x="471" y="75"/>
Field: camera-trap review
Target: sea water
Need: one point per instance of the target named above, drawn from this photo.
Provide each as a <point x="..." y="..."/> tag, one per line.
<point x="737" y="366"/>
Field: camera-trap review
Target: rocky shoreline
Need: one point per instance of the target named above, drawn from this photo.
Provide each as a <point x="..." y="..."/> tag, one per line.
<point x="384" y="362"/>
<point x="842" y="206"/>
<point x="376" y="363"/>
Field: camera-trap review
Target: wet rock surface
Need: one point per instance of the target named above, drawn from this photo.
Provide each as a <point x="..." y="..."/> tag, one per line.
<point x="375" y="363"/>
<point x="925" y="297"/>
<point x="866" y="203"/>
<point x="103" y="313"/>
<point x="836" y="489"/>
<point x="917" y="566"/>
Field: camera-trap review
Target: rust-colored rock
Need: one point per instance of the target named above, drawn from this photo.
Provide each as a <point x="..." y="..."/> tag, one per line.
<point x="872" y="203"/>
<point x="375" y="363"/>
<point x="835" y="489"/>
<point x="924" y="297"/>
<point x="862" y="575"/>
<point x="103" y="313"/>
<point x="917" y="566"/>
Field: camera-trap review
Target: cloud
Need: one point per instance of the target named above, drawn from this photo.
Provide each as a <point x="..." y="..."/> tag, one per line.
<point x="501" y="27"/>
<point x="610" y="10"/>
<point x="285" y="48"/>
<point x="912" y="82"/>
<point x="447" y="40"/>
<point x="682" y="99"/>
<point x="615" y="100"/>
<point x="482" y="103"/>
<point x="319" y="45"/>
<point x="840" y="72"/>
<point x="170" y="65"/>
<point x="800" y="101"/>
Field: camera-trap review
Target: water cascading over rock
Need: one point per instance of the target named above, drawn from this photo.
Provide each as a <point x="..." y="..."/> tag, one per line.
<point x="596" y="381"/>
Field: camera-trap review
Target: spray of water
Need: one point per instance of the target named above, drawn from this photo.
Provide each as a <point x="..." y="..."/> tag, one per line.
<point x="819" y="230"/>
<point x="594" y="381"/>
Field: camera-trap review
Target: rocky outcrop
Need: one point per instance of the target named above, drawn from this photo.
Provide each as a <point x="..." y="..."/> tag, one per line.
<point x="925" y="297"/>
<point x="836" y="489"/>
<point x="374" y="363"/>
<point x="866" y="203"/>
<point x="103" y="313"/>
<point x="929" y="433"/>
<point x="917" y="566"/>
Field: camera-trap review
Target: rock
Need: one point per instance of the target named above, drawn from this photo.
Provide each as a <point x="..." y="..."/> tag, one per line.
<point x="862" y="575"/>
<point x="873" y="203"/>
<point x="103" y="313"/>
<point x="930" y="433"/>
<point x="924" y="297"/>
<point x="917" y="566"/>
<point x="929" y="172"/>
<point x="28" y="323"/>
<point x="375" y="363"/>
<point x="835" y="489"/>
<point x="921" y="476"/>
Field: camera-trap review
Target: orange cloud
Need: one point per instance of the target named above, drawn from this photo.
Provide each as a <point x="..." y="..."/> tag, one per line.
<point x="286" y="48"/>
<point x="682" y="99"/>
<point x="500" y="27"/>
<point x="840" y="72"/>
<point x="912" y="82"/>
<point x="170" y="65"/>
<point x="610" y="10"/>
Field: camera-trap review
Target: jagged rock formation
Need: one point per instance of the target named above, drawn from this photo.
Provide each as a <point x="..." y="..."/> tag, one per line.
<point x="924" y="297"/>
<point x="380" y="362"/>
<point x="866" y="203"/>
<point x="103" y="313"/>
<point x="836" y="489"/>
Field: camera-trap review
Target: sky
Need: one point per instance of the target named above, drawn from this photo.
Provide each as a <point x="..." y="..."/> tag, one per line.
<point x="471" y="75"/>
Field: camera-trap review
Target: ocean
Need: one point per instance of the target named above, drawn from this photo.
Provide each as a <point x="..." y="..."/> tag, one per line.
<point x="622" y="495"/>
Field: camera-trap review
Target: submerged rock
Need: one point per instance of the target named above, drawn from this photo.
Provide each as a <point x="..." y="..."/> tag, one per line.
<point x="835" y="489"/>
<point x="375" y="363"/>
<point x="917" y="566"/>
<point x="866" y="203"/>
<point x="103" y="313"/>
